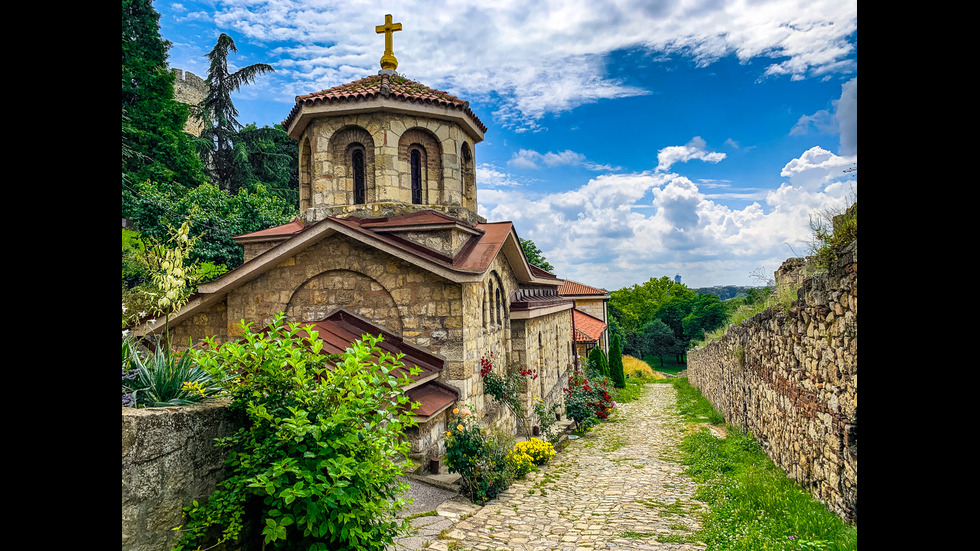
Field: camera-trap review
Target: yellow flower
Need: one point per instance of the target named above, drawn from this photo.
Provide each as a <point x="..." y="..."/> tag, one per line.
<point x="455" y="410"/>
<point x="460" y="427"/>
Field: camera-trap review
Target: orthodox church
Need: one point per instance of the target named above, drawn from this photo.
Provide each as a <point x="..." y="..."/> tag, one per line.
<point x="389" y="241"/>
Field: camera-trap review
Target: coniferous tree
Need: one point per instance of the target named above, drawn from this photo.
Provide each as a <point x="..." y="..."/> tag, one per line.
<point x="219" y="115"/>
<point x="616" y="364"/>
<point x="598" y="360"/>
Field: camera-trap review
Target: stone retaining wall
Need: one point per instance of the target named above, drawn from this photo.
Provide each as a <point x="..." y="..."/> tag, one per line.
<point x="168" y="460"/>
<point x="790" y="379"/>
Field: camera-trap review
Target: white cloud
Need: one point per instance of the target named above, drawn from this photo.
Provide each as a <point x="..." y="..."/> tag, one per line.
<point x="816" y="168"/>
<point x="529" y="159"/>
<point x="536" y="58"/>
<point x="695" y="149"/>
<point x="621" y="229"/>
<point x="842" y="121"/>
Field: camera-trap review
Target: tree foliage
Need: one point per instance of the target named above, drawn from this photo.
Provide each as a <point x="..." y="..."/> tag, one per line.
<point x="315" y="460"/>
<point x="154" y="144"/>
<point x="534" y="255"/>
<point x="223" y="152"/>
<point x="661" y="317"/>
<point x="218" y="216"/>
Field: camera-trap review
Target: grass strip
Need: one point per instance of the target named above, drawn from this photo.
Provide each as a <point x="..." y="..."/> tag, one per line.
<point x="753" y="506"/>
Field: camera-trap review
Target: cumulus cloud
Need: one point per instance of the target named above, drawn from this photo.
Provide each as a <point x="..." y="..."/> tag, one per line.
<point x="542" y="57"/>
<point x="695" y="149"/>
<point x="816" y="168"/>
<point x="529" y="159"/>
<point x="620" y="229"/>
<point x="842" y="121"/>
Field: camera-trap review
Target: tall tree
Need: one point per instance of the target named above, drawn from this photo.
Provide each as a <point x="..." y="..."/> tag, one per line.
<point x="219" y="115"/>
<point x="154" y="144"/>
<point x="534" y="255"/>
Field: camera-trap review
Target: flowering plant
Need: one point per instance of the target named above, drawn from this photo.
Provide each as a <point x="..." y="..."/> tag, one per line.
<point x="478" y="456"/>
<point x="539" y="452"/>
<point x="507" y="390"/>
<point x="520" y="462"/>
<point x="588" y="401"/>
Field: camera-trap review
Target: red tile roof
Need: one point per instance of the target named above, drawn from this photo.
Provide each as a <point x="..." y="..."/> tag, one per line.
<point x="384" y="85"/>
<point x="587" y="328"/>
<point x="575" y="288"/>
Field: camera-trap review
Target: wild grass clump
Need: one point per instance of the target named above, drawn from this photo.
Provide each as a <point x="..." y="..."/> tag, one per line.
<point x="752" y="504"/>
<point x="636" y="368"/>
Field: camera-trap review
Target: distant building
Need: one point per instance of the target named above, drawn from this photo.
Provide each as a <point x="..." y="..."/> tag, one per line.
<point x="677" y="278"/>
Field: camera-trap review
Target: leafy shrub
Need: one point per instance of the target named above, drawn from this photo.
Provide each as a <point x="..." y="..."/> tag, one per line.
<point x="588" y="401"/>
<point x="507" y="390"/>
<point x="480" y="457"/>
<point x="616" y="364"/>
<point x="128" y="371"/>
<point x="314" y="463"/>
<point x="163" y="378"/>
<point x="597" y="364"/>
<point x="539" y="452"/>
<point x="547" y="417"/>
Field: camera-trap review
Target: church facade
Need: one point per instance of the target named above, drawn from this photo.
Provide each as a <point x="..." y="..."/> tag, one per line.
<point x="389" y="241"/>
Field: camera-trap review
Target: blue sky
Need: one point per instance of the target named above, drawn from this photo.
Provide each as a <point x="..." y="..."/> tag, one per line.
<point x="627" y="139"/>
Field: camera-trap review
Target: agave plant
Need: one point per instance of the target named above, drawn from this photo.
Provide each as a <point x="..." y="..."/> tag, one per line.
<point x="167" y="379"/>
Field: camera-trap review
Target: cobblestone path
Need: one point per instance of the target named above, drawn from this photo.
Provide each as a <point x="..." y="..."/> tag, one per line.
<point x="619" y="487"/>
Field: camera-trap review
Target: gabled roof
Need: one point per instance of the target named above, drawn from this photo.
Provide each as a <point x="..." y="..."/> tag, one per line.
<point x="587" y="328"/>
<point x="487" y="242"/>
<point x="574" y="288"/>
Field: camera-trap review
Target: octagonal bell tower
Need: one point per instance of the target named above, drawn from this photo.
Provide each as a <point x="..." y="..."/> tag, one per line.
<point x="385" y="145"/>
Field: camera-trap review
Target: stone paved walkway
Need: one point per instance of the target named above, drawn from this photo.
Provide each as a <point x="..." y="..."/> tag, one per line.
<point x="619" y="487"/>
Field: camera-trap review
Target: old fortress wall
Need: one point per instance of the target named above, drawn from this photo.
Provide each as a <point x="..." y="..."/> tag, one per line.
<point x="190" y="89"/>
<point x="790" y="380"/>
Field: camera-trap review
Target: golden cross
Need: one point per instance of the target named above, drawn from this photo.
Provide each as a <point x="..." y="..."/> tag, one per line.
<point x="388" y="60"/>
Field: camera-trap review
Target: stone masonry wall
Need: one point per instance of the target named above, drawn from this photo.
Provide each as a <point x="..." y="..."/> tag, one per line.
<point x="790" y="379"/>
<point x="168" y="460"/>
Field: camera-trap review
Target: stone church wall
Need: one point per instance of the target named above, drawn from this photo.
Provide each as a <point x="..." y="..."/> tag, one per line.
<point x="790" y="379"/>
<point x="544" y="344"/>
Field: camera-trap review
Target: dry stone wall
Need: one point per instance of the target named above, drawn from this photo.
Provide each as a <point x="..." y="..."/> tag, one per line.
<point x="790" y="379"/>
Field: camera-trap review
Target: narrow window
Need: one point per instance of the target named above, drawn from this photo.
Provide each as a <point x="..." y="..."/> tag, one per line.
<point x="416" y="161"/>
<point x="357" y="164"/>
<point x="500" y="307"/>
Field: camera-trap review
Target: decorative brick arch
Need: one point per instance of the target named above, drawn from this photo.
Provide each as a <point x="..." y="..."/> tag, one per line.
<point x="357" y="293"/>
<point x="345" y="145"/>
<point x="423" y="145"/>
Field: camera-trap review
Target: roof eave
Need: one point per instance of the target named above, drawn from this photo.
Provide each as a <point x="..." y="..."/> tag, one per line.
<point x="308" y="110"/>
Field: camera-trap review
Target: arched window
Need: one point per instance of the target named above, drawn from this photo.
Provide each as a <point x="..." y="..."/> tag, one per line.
<point x="500" y="308"/>
<point x="417" y="164"/>
<point x="469" y="177"/>
<point x="357" y="167"/>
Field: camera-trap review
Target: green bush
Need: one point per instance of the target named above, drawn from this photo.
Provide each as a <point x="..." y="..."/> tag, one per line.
<point x="162" y="378"/>
<point x="314" y="463"/>
<point x="616" y="364"/>
<point x="480" y="457"/>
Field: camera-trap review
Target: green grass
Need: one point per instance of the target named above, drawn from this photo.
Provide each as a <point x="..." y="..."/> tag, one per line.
<point x="753" y="506"/>
<point x="665" y="365"/>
